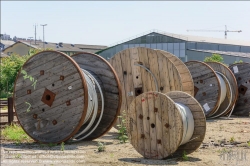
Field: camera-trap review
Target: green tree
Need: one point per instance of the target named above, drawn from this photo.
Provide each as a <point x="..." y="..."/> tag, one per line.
<point x="214" y="58"/>
<point x="9" y="69"/>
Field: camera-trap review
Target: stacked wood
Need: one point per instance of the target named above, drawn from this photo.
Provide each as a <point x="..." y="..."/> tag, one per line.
<point x="241" y="72"/>
<point x="51" y="95"/>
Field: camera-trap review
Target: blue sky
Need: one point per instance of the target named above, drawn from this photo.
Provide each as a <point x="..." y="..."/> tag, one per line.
<point x="108" y="22"/>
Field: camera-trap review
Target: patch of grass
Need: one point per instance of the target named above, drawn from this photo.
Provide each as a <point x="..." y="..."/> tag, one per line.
<point x="248" y="143"/>
<point x="15" y="133"/>
<point x="18" y="156"/>
<point x="62" y="146"/>
<point x="184" y="156"/>
<point x="101" y="147"/>
<point x="5" y="108"/>
<point x="122" y="130"/>
<point x="232" y="139"/>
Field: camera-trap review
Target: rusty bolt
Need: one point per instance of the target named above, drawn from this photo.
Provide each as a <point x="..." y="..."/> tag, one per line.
<point x="158" y="141"/>
<point x="54" y="122"/>
<point x="167" y="125"/>
<point x="140" y="116"/>
<point x="161" y="88"/>
<point x="155" y="109"/>
<point x="62" y="78"/>
<point x="41" y="72"/>
<point x="125" y="72"/>
<point x="68" y="103"/>
<point x="142" y="135"/>
<point x="35" y="116"/>
<point x="28" y="91"/>
<point x="201" y="81"/>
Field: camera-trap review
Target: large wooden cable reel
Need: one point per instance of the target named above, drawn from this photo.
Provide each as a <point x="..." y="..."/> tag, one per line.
<point x="156" y="128"/>
<point x="186" y="77"/>
<point x="215" y="87"/>
<point x="143" y="69"/>
<point x="241" y="72"/>
<point x="231" y="88"/>
<point x="207" y="88"/>
<point x="51" y="98"/>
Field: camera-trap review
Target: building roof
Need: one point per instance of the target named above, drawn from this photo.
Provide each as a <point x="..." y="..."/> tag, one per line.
<point x="206" y="39"/>
<point x="66" y="47"/>
<point x="240" y="54"/>
<point x="7" y="42"/>
<point x="3" y="55"/>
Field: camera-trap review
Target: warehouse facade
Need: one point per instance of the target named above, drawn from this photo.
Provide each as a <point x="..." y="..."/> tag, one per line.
<point x="186" y="47"/>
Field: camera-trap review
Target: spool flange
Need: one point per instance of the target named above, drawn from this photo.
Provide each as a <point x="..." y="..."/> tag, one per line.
<point x="241" y="72"/>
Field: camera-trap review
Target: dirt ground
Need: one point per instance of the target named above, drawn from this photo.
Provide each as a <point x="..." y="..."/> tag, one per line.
<point x="216" y="149"/>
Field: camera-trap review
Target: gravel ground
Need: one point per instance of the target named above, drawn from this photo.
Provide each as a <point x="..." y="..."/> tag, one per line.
<point x="215" y="150"/>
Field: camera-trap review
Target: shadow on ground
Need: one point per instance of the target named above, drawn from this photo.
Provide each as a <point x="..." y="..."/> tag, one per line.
<point x="143" y="161"/>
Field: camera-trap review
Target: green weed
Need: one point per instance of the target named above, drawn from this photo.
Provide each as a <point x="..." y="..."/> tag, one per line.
<point x="15" y="133"/>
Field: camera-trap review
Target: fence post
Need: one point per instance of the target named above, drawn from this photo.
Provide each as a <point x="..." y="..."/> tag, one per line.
<point x="10" y="110"/>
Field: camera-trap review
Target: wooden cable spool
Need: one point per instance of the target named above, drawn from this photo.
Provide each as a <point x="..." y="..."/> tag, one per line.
<point x="231" y="83"/>
<point x="207" y="88"/>
<point x="215" y="87"/>
<point x="186" y="77"/>
<point x="241" y="72"/>
<point x="156" y="128"/>
<point x="51" y="96"/>
<point x="143" y="69"/>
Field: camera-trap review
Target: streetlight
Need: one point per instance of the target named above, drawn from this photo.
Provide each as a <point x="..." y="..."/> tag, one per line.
<point x="30" y="40"/>
<point x="43" y="33"/>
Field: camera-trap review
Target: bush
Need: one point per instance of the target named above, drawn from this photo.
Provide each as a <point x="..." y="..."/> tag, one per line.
<point x="214" y="58"/>
<point x="9" y="70"/>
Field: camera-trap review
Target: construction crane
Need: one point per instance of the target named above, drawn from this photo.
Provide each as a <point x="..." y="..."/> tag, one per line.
<point x="225" y="31"/>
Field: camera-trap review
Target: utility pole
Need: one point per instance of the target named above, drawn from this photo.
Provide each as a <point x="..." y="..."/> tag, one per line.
<point x="35" y="34"/>
<point x="30" y="40"/>
<point x="43" y="33"/>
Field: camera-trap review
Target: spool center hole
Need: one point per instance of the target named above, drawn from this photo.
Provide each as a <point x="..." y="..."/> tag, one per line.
<point x="153" y="125"/>
<point x="47" y="97"/>
<point x="138" y="91"/>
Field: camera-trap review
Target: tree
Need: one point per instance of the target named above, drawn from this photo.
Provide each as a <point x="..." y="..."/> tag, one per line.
<point x="9" y="70"/>
<point x="214" y="58"/>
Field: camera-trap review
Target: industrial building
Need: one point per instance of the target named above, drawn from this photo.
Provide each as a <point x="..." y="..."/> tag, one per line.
<point x="185" y="47"/>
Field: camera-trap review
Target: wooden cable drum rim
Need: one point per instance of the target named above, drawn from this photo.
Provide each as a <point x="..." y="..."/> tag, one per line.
<point x="241" y="72"/>
<point x="111" y="89"/>
<point x="154" y="67"/>
<point x="186" y="77"/>
<point x="50" y="88"/>
<point x="219" y="67"/>
<point x="206" y="85"/>
<point x="199" y="121"/>
<point x="155" y="126"/>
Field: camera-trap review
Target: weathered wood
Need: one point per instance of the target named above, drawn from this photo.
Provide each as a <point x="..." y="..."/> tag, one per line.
<point x="161" y="132"/>
<point x="199" y="121"/>
<point x="241" y="72"/>
<point x="136" y="79"/>
<point x="185" y="74"/>
<point x="207" y="85"/>
<point x="111" y="89"/>
<point x="36" y="117"/>
<point x="226" y="105"/>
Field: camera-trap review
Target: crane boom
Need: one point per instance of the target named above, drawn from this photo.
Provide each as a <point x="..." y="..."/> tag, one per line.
<point x="225" y="31"/>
